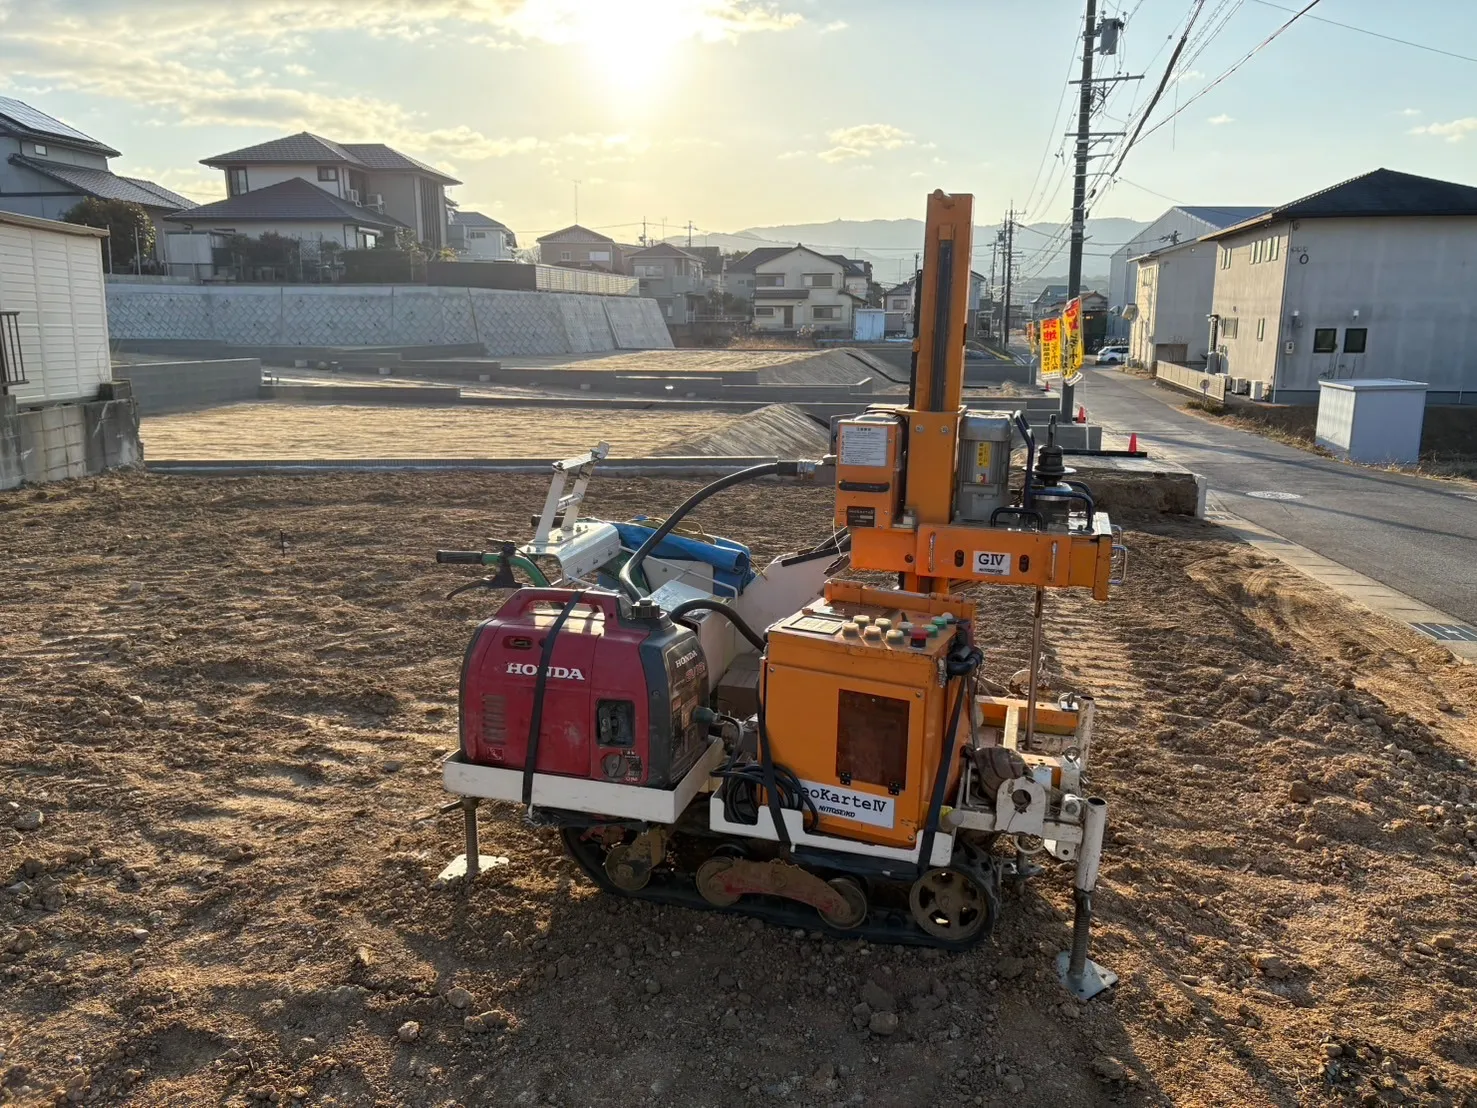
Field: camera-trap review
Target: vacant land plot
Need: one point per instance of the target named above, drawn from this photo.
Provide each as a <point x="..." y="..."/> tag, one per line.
<point x="222" y="708"/>
<point x="305" y="431"/>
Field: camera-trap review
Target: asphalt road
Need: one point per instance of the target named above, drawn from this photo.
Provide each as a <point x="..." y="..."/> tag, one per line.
<point x="1410" y="533"/>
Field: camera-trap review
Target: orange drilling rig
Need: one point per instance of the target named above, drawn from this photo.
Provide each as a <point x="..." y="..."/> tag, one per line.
<point x="874" y="790"/>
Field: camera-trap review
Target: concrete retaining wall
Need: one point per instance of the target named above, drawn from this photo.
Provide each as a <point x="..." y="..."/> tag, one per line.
<point x="177" y="386"/>
<point x="67" y="440"/>
<point x="363" y="394"/>
<point x="502" y="322"/>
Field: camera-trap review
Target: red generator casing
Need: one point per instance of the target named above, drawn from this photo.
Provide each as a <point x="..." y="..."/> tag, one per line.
<point x="620" y="699"/>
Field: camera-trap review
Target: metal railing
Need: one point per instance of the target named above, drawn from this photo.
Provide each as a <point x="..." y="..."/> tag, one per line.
<point x="12" y="360"/>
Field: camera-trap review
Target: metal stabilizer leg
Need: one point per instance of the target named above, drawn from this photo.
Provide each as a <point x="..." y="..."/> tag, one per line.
<point x="1083" y="977"/>
<point x="470" y="864"/>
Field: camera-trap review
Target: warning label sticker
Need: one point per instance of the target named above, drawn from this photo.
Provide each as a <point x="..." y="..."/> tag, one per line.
<point x="987" y="563"/>
<point x="863" y="446"/>
<point x="869" y="808"/>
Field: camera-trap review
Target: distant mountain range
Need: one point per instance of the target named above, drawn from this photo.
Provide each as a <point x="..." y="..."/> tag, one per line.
<point x="889" y="244"/>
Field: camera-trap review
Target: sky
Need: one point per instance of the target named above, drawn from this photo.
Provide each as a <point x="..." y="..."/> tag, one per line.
<point x="740" y="113"/>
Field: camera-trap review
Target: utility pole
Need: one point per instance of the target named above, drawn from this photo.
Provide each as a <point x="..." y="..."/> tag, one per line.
<point x="1079" y="183"/>
<point x="1009" y="274"/>
<point x="689" y="234"/>
<point x="576" y="200"/>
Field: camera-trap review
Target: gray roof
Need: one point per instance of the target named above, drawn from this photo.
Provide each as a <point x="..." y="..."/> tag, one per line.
<point x="308" y="147"/>
<point x="1381" y="192"/>
<point x="378" y="156"/>
<point x="301" y="147"/>
<point x="575" y="233"/>
<point x="478" y="221"/>
<point x="20" y="118"/>
<point x="1219" y="217"/>
<point x="105" y="185"/>
<point x="290" y="201"/>
<point x="758" y="257"/>
<point x="665" y="250"/>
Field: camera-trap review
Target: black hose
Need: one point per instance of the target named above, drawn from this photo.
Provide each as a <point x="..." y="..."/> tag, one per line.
<point x="1030" y="436"/>
<point x="702" y="604"/>
<point x="540" y="685"/>
<point x="628" y="571"/>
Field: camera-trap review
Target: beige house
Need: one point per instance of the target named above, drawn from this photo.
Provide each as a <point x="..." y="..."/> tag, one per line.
<point x="799" y="288"/>
<point x="367" y="175"/>
<point x="1371" y="278"/>
<point x="579" y="247"/>
<point x="673" y="278"/>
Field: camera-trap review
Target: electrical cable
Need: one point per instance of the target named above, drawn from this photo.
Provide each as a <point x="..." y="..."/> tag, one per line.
<point x="1373" y="34"/>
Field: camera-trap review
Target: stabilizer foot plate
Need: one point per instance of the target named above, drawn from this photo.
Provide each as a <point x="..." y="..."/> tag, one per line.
<point x="1095" y="978"/>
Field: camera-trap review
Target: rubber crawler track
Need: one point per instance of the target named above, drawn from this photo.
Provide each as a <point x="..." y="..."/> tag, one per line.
<point x="882" y="925"/>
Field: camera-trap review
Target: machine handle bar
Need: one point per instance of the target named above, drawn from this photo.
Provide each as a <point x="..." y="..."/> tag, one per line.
<point x="594" y="599"/>
<point x="464" y="557"/>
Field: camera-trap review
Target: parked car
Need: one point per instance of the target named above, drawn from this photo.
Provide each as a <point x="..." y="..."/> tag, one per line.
<point x="1112" y="355"/>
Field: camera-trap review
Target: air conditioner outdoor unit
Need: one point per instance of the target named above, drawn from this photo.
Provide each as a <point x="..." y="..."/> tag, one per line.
<point x="1258" y="390"/>
<point x="376" y="201"/>
<point x="1243" y="386"/>
<point x="353" y="195"/>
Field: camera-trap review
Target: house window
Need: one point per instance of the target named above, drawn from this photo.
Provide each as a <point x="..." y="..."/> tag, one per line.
<point x="236" y="180"/>
<point x="565" y="256"/>
<point x="818" y="280"/>
<point x="1261" y="329"/>
<point x="651" y="271"/>
<point x="763" y="312"/>
<point x="1226" y="258"/>
<point x="1274" y="248"/>
<point x="1230" y="327"/>
<point x="1256" y="251"/>
<point x="1325" y="340"/>
<point x="769" y="280"/>
<point x="476" y="234"/>
<point x="39" y="149"/>
<point x="328" y="173"/>
<point x="1355" y="340"/>
<point x="599" y="255"/>
<point x="823" y="311"/>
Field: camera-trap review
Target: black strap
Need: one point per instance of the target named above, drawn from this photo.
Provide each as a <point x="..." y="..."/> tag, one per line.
<point x="941" y="782"/>
<point x="771" y="787"/>
<point x="540" y="683"/>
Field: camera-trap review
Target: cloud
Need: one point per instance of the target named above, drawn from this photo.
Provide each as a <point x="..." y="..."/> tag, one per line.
<point x="1410" y="111"/>
<point x="192" y="63"/>
<point x="832" y="28"/>
<point x="1454" y="131"/>
<point x="1221" y="120"/>
<point x="864" y="140"/>
<point x="204" y="186"/>
<point x="791" y="155"/>
<point x="1188" y="76"/>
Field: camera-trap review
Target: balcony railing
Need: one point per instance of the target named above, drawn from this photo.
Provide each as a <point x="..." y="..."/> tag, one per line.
<point x="12" y="361"/>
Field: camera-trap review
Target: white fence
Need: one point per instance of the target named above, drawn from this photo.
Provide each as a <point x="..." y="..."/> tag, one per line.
<point x="1212" y="386"/>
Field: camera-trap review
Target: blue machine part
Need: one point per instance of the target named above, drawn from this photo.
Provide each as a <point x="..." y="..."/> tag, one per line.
<point x="730" y="560"/>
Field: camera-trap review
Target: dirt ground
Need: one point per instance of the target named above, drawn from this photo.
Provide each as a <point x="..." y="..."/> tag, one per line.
<point x="222" y="708"/>
<point x="308" y="431"/>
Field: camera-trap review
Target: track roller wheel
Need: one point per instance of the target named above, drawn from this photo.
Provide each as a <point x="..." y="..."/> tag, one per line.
<point x="949" y="904"/>
<point x="856" y="903"/>
<point x="624" y="874"/>
<point x="711" y="891"/>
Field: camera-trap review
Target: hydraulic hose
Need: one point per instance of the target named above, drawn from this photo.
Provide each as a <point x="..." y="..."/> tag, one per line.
<point x="628" y="571"/>
<point x="702" y="604"/>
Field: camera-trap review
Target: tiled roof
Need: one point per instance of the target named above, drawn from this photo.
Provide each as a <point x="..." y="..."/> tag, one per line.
<point x="665" y="250"/>
<point x="19" y="117"/>
<point x="1219" y="217"/>
<point x="758" y="257"/>
<point x="301" y="147"/>
<point x="376" y="155"/>
<point x="290" y="201"/>
<point x="107" y="186"/>
<point x="1382" y="192"/>
<point x="477" y="219"/>
<point x="575" y="233"/>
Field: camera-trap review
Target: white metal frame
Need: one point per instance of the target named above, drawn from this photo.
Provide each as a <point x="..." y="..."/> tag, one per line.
<point x="943" y="840"/>
<point x="578" y="794"/>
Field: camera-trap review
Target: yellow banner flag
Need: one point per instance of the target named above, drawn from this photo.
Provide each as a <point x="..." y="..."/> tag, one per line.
<point x="1051" y="346"/>
<point x="1072" y="334"/>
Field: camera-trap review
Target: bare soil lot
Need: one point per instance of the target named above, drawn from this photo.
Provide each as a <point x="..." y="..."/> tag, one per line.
<point x="307" y="431"/>
<point x="222" y="707"/>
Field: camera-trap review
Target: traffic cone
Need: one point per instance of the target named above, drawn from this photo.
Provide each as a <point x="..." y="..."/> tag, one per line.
<point x="1133" y="443"/>
<point x="1081" y="414"/>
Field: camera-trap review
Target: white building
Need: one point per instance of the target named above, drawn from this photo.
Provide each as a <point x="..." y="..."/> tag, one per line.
<point x="1374" y="277"/>
<point x="479" y="238"/>
<point x="1176" y="285"/>
<point x="1179" y="224"/>
<point x="56" y="420"/>
<point x="800" y="288"/>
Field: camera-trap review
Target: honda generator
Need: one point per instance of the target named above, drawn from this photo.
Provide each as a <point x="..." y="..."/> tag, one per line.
<point x="584" y="684"/>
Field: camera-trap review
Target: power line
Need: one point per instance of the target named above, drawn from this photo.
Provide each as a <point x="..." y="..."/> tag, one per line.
<point x="1257" y="49"/>
<point x="1163" y="84"/>
<point x="1373" y="34"/>
<point x="1151" y="192"/>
